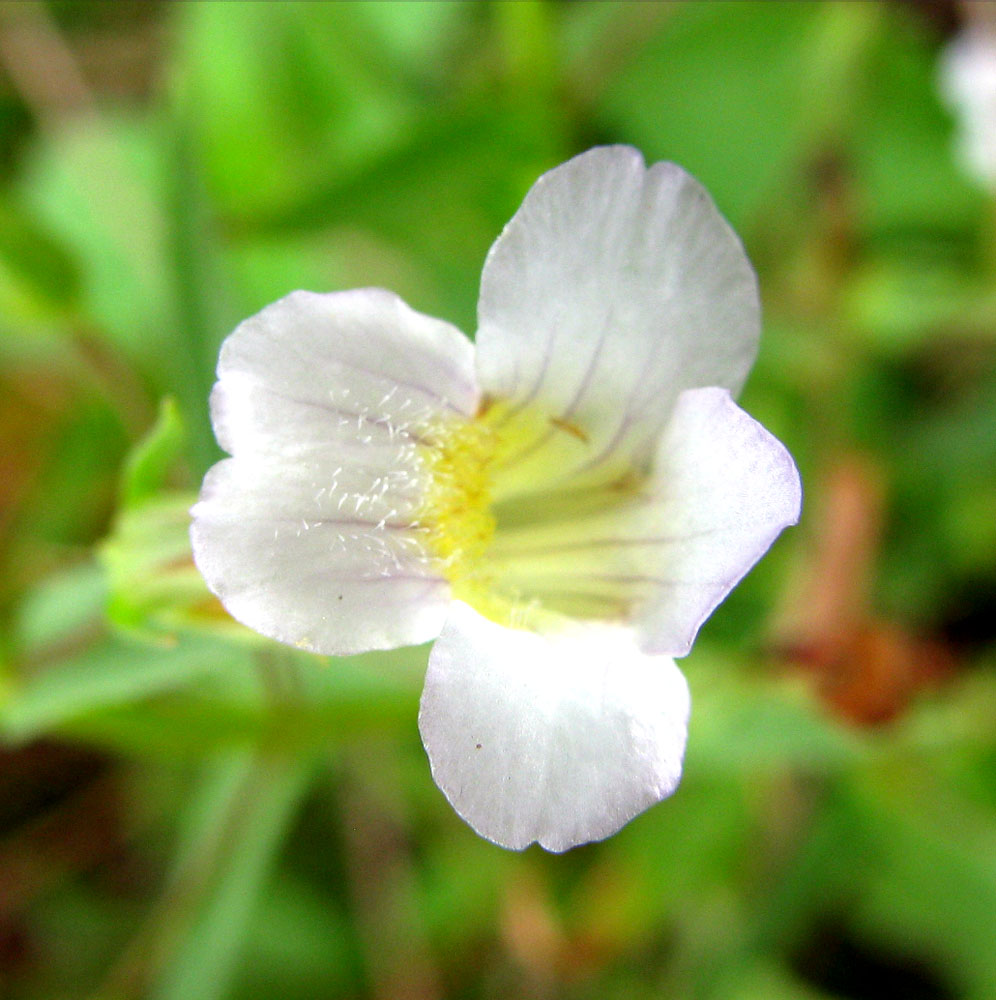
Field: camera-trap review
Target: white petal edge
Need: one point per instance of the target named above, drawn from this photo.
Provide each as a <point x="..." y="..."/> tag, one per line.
<point x="559" y="740"/>
<point x="611" y="290"/>
<point x="727" y="489"/>
<point x="306" y="534"/>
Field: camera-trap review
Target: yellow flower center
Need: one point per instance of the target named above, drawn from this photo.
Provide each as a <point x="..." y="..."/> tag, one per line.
<point x="456" y="516"/>
<point x="516" y="538"/>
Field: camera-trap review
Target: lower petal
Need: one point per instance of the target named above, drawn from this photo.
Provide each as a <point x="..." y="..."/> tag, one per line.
<point x="559" y="739"/>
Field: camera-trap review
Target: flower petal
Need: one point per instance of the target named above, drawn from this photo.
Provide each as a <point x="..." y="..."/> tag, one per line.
<point x="295" y="569"/>
<point x="613" y="289"/>
<point x="727" y="489"/>
<point x="308" y="534"/>
<point x="661" y="550"/>
<point x="311" y="366"/>
<point x="560" y="740"/>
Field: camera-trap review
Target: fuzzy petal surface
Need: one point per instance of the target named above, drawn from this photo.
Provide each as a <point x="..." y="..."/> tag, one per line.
<point x="307" y="533"/>
<point x="558" y="739"/>
<point x="288" y="374"/>
<point x="613" y="289"/>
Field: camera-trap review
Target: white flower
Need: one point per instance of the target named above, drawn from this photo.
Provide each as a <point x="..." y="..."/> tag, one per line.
<point x="562" y="505"/>
<point x="968" y="84"/>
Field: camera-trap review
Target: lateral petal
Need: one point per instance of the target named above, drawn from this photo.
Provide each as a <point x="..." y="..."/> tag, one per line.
<point x="284" y="561"/>
<point x="727" y="488"/>
<point x="310" y="534"/>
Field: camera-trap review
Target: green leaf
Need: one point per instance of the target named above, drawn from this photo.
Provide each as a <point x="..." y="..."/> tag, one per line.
<point x="59" y="606"/>
<point x="904" y="154"/>
<point x="123" y="195"/>
<point x="292" y="701"/>
<point x="153" y="458"/>
<point x="206" y="308"/>
<point x="73" y="490"/>
<point x="901" y="302"/>
<point x="96" y="186"/>
<point x="113" y="673"/>
<point x="233" y="837"/>
<point x="719" y="89"/>
<point x="266" y="80"/>
<point x="930" y="883"/>
<point x="299" y="944"/>
<point x="436" y="196"/>
<point x="39" y="280"/>
<point x="753" y="724"/>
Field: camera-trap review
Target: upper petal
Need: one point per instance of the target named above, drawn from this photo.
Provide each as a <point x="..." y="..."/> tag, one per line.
<point x="612" y="289"/>
<point x="560" y="740"/>
<point x="309" y="533"/>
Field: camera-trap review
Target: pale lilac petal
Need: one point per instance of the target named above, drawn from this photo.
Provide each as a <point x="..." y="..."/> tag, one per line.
<point x="559" y="740"/>
<point x="727" y="489"/>
<point x="613" y="289"/>
<point x="308" y="534"/>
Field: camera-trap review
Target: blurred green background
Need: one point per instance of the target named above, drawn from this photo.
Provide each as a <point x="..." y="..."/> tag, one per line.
<point x="188" y="812"/>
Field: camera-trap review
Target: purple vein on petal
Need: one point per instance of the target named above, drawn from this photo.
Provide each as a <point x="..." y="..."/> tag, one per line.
<point x="572" y="406"/>
<point x="313" y="522"/>
<point x="333" y="361"/>
<point x="601" y="543"/>
<point x="631" y="408"/>
<point x="384" y="422"/>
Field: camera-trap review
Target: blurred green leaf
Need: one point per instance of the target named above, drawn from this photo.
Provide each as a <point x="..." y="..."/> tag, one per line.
<point x="415" y="38"/>
<point x="758" y="724"/>
<point x="269" y="265"/>
<point x="722" y="90"/>
<point x="312" y="704"/>
<point x="153" y="458"/>
<point x="206" y="309"/>
<point x="931" y="881"/>
<point x="908" y="175"/>
<point x="299" y="945"/>
<point x="436" y="196"/>
<point x="61" y="605"/>
<point x="73" y="490"/>
<point x="122" y="195"/>
<point x="113" y="673"/>
<point x="766" y="980"/>
<point x="232" y="837"/>
<point x="96" y="185"/>
<point x="902" y="302"/>
<point x="309" y="105"/>
<point x="39" y="281"/>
